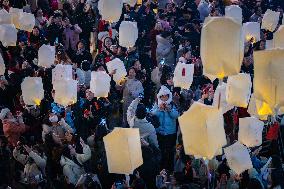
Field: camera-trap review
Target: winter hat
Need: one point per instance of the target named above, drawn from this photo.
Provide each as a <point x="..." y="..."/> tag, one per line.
<point x="4" y="113"/>
<point x="164" y="91"/>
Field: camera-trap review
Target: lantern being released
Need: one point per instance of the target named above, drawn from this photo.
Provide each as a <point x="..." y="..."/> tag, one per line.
<point x="26" y="21"/>
<point x="202" y="129"/>
<point x="46" y="56"/>
<point x="251" y="31"/>
<point x="183" y="75"/>
<point x="118" y="66"/>
<point x="100" y="83"/>
<point x="16" y="13"/>
<point x="32" y="90"/>
<point x="219" y="99"/>
<point x="269" y="78"/>
<point x="128" y="34"/>
<point x="250" y="131"/>
<point x="8" y="35"/>
<point x="65" y="92"/>
<point x="110" y="10"/>
<point x="123" y="150"/>
<point x="259" y="109"/>
<point x="61" y="72"/>
<point x="238" y="157"/>
<point x="5" y="17"/>
<point x="222" y="58"/>
<point x="235" y="12"/>
<point x="270" y="20"/>
<point x="278" y="38"/>
<point x="239" y="90"/>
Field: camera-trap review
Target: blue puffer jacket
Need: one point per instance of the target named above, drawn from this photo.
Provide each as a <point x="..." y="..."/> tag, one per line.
<point x="167" y="120"/>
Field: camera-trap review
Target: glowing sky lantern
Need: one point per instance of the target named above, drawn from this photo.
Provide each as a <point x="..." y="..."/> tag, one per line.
<point x="65" y="92"/>
<point x="2" y="65"/>
<point x="110" y="10"/>
<point x="259" y="109"/>
<point x="278" y="38"/>
<point x="219" y="99"/>
<point x="183" y="75"/>
<point x="5" y="17"/>
<point x="235" y="12"/>
<point x="46" y="56"/>
<point x="61" y="72"/>
<point x="270" y="20"/>
<point x="26" y="21"/>
<point x="132" y="3"/>
<point x="32" y="90"/>
<point x="251" y="31"/>
<point x="202" y="129"/>
<point x="100" y="83"/>
<point x="8" y="35"/>
<point x="118" y="65"/>
<point x="269" y="78"/>
<point x="224" y="57"/>
<point x="128" y="34"/>
<point x="123" y="150"/>
<point x="15" y="13"/>
<point x="250" y="131"/>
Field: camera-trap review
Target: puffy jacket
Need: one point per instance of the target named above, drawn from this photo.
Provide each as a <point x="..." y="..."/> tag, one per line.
<point x="165" y="50"/>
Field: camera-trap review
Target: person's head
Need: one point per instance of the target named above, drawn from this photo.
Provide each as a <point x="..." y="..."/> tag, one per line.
<point x="159" y="26"/>
<point x="141" y="111"/>
<point x="39" y="13"/>
<point x="186" y="53"/>
<point x="35" y="31"/>
<point x="53" y="118"/>
<point x="137" y="65"/>
<point x="114" y="49"/>
<point x="66" y="22"/>
<point x="81" y="45"/>
<point x="89" y="95"/>
<point x="131" y="73"/>
<point x="87" y="7"/>
<point x="5" y="3"/>
<point x="85" y="65"/>
<point x="108" y="42"/>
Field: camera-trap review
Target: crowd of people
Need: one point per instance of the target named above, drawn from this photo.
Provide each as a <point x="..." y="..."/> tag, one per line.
<point x="51" y="147"/>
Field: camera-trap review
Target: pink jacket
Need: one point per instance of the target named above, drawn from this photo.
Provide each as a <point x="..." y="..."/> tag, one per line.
<point x="71" y="37"/>
<point x="13" y="130"/>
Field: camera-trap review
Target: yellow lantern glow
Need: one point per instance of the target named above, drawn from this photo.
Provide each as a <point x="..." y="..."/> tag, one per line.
<point x="128" y="34"/>
<point x="235" y="12"/>
<point x="117" y="65"/>
<point x="100" y="83"/>
<point x="251" y="31"/>
<point x="32" y="90"/>
<point x="123" y="150"/>
<point x="183" y="75"/>
<point x="46" y="56"/>
<point x="65" y="92"/>
<point x="270" y="20"/>
<point x="110" y="10"/>
<point x="202" y="129"/>
<point x="26" y="21"/>
<point x="5" y="17"/>
<point x="8" y="35"/>
<point x="259" y="109"/>
<point x="278" y="38"/>
<point x="16" y="13"/>
<point x="222" y="58"/>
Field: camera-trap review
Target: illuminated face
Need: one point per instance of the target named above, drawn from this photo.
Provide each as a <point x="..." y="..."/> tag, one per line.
<point x="164" y="98"/>
<point x="107" y="42"/>
<point x="35" y="32"/>
<point x="137" y="65"/>
<point x="131" y="74"/>
<point x="89" y="95"/>
<point x="5" y="2"/>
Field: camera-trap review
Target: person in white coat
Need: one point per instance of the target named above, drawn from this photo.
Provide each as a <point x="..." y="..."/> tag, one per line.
<point x="165" y="52"/>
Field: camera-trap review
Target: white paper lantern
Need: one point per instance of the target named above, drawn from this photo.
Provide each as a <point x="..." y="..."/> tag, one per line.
<point x="123" y="150"/>
<point x="128" y="34"/>
<point x="61" y="72"/>
<point x="26" y="21"/>
<point x="270" y="20"/>
<point x="224" y="57"/>
<point x="202" y="129"/>
<point x="2" y="65"/>
<point x="100" y="83"/>
<point x="132" y="3"/>
<point x="8" y="35"/>
<point x="268" y="44"/>
<point x="258" y="108"/>
<point x="251" y="31"/>
<point x="183" y="75"/>
<point x="250" y="131"/>
<point x="239" y="90"/>
<point x="16" y="13"/>
<point x="238" y="157"/>
<point x="110" y="10"/>
<point x="118" y="65"/>
<point x="278" y="38"/>
<point x="219" y="99"/>
<point x="65" y="92"/>
<point x="235" y="12"/>
<point x="5" y="17"/>
<point x="46" y="56"/>
<point x="32" y="90"/>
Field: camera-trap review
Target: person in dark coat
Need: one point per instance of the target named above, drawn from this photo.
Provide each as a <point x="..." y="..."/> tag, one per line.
<point x="82" y="54"/>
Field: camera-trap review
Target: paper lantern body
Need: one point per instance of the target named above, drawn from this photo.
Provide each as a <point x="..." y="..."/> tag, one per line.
<point x="2" y="66"/>
<point x="118" y="65"/>
<point x="128" y="34"/>
<point x="251" y="31"/>
<point x="132" y="3"/>
<point x="183" y="75"/>
<point x="46" y="56"/>
<point x="16" y="13"/>
<point x="8" y="35"/>
<point x="238" y="157"/>
<point x="26" y="21"/>
<point x="32" y="90"/>
<point x="100" y="83"/>
<point x="270" y="20"/>
<point x="235" y="12"/>
<point x="268" y="78"/>
<point x="110" y="10"/>
<point x="269" y="44"/>
<point x="61" y="72"/>
<point x="123" y="150"/>
<point x="278" y="38"/>
<point x="5" y="17"/>
<point x="202" y="129"/>
<point x="65" y="92"/>
<point x="220" y="94"/>
<point x="259" y="109"/>
<point x="239" y="90"/>
<point x="250" y="131"/>
<point x="222" y="58"/>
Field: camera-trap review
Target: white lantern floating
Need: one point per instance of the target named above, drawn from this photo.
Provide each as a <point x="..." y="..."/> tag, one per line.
<point x="268" y="78"/>
<point x="235" y="12"/>
<point x="278" y="38"/>
<point x="46" y="56"/>
<point x="128" y="34"/>
<point x="100" y="83"/>
<point x="8" y="35"/>
<point x="32" y="90"/>
<point x="270" y="20"/>
<point x="5" y="17"/>
<point x="269" y="44"/>
<point x="132" y="3"/>
<point x="183" y="75"/>
<point x="202" y="129"/>
<point x="238" y="157"/>
<point x="61" y="72"/>
<point x="2" y="66"/>
<point x="222" y="58"/>
<point x="117" y="65"/>
<point x="239" y="90"/>
<point x="110" y="10"/>
<point x="16" y="13"/>
<point x="26" y="21"/>
<point x="252" y="31"/>
<point x="123" y="150"/>
<point x="259" y="109"/>
<point x="250" y="131"/>
<point x="65" y="92"/>
<point x="219" y="99"/>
